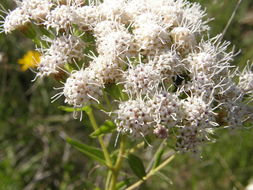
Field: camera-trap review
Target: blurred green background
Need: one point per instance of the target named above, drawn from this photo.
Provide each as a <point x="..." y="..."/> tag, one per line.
<point x="33" y="154"/>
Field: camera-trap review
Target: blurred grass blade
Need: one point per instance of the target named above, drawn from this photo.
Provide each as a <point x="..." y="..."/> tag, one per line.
<point x="136" y="165"/>
<point x="90" y="151"/>
<point x="107" y="127"/>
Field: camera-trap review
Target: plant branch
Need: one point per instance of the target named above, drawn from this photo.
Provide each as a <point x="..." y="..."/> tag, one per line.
<point x="100" y="139"/>
<point x="118" y="163"/>
<point x="151" y="173"/>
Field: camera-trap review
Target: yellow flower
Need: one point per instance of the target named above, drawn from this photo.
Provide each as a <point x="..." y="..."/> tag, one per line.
<point x="30" y="60"/>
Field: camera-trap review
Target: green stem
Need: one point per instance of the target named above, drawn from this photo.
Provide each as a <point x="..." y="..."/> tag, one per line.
<point x="100" y="139"/>
<point x="107" y="101"/>
<point x="118" y="164"/>
<point x="108" y="179"/>
<point x="151" y="173"/>
<point x="134" y="149"/>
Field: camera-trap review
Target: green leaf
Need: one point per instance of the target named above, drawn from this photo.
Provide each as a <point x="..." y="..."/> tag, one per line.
<point x="90" y="151"/>
<point x="71" y="109"/>
<point x="136" y="166"/>
<point x="107" y="127"/>
<point x="116" y="91"/>
<point x="123" y="184"/>
<point x="158" y="158"/>
<point x="29" y="31"/>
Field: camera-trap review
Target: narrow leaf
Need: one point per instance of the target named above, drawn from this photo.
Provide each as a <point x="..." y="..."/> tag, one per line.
<point x="158" y="158"/>
<point x="107" y="127"/>
<point x="136" y="166"/>
<point x="90" y="151"/>
<point x="123" y="184"/>
<point x="71" y="109"/>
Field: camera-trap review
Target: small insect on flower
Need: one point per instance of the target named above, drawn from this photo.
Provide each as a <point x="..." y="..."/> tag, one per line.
<point x="30" y="60"/>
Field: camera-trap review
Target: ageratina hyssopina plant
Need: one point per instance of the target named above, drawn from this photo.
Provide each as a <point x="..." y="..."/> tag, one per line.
<point x="148" y="65"/>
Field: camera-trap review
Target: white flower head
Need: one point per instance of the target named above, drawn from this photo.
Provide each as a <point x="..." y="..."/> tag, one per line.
<point x="170" y="13"/>
<point x="133" y="8"/>
<point x="66" y="45"/>
<point x="114" y="44"/>
<point x="112" y="9"/>
<point x="184" y="38"/>
<point x="194" y="15"/>
<point x="51" y="64"/>
<point x="88" y="17"/>
<point x="146" y="17"/>
<point x="133" y="117"/>
<point x="141" y="79"/>
<point x="166" y="108"/>
<point x="81" y="88"/>
<point x="16" y="19"/>
<point x="161" y="131"/>
<point x="150" y="38"/>
<point x="202" y="85"/>
<point x="246" y="80"/>
<point x="190" y="139"/>
<point x="105" y="27"/>
<point x="69" y="2"/>
<point x="198" y="112"/>
<point x="61" y="17"/>
<point x="168" y="63"/>
<point x="106" y="69"/>
<point x="211" y="57"/>
<point x="37" y="9"/>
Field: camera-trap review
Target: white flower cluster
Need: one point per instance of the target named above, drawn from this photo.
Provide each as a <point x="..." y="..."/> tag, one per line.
<point x="179" y="82"/>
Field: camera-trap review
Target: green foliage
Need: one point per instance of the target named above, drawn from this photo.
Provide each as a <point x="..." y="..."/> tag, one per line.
<point x="106" y="128"/>
<point x="90" y="151"/>
<point x="136" y="165"/>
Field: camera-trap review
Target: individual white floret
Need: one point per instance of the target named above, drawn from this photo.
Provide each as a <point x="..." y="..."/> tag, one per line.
<point x="105" y="27"/>
<point x="15" y="19"/>
<point x="88" y="17"/>
<point x="143" y="78"/>
<point x="161" y="131"/>
<point x="106" y="69"/>
<point x="61" y="18"/>
<point x="81" y="88"/>
<point x="51" y="64"/>
<point x="166" y="109"/>
<point x="114" y="44"/>
<point x="37" y="9"/>
<point x="67" y="45"/>
<point x="133" y="117"/>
